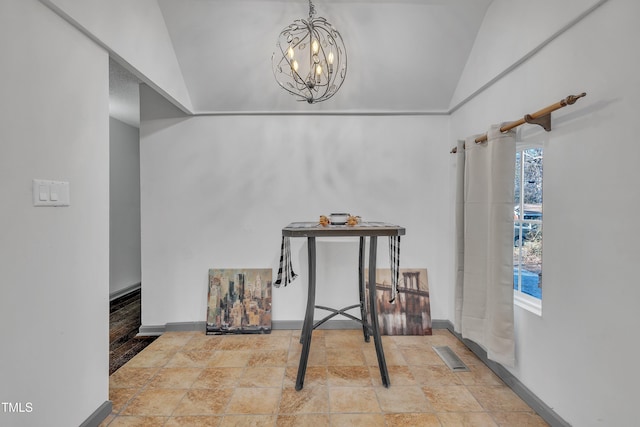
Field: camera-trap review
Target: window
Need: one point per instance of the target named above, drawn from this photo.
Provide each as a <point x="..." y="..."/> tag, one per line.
<point x="527" y="230"/>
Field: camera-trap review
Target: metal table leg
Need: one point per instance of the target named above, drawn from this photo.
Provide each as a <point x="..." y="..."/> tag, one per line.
<point x="307" y="328"/>
<point x="382" y="364"/>
<point x="361" y="288"/>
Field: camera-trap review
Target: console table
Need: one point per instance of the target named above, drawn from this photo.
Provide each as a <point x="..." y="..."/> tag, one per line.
<point x="363" y="230"/>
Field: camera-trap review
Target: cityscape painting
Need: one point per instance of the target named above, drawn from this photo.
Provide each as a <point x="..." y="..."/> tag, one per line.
<point x="411" y="312"/>
<point x="239" y="301"/>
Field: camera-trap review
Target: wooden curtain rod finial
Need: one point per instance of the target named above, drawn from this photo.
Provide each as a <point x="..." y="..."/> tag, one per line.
<point x="571" y="99"/>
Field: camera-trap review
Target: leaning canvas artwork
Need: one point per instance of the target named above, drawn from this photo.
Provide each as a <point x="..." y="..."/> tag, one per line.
<point x="239" y="301"/>
<point x="411" y="312"/>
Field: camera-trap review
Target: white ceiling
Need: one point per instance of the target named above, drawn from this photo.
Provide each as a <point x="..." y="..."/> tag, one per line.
<point x="404" y="56"/>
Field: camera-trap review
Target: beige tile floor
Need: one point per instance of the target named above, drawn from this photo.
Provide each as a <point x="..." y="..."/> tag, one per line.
<point x="191" y="379"/>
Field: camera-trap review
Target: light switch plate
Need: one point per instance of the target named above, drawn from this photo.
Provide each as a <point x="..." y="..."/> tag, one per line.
<point x="50" y="193"/>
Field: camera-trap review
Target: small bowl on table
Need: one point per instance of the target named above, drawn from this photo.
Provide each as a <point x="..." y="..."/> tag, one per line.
<point x="338" y="218"/>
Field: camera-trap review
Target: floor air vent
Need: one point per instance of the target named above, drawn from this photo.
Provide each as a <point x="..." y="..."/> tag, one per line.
<point x="451" y="359"/>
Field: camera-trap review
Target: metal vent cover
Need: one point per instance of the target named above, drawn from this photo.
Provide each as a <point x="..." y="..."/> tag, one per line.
<point x="450" y="358"/>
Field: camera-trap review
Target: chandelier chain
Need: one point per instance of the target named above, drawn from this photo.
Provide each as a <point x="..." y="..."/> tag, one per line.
<point x="312" y="10"/>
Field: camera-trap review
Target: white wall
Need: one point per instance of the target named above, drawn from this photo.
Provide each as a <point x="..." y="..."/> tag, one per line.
<point x="135" y="32"/>
<point x="54" y="261"/>
<point x="529" y="25"/>
<point x="577" y="356"/>
<point x="124" y="206"/>
<point x="216" y="192"/>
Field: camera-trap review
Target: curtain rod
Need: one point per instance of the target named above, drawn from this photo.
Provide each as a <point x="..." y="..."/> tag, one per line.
<point x="541" y="117"/>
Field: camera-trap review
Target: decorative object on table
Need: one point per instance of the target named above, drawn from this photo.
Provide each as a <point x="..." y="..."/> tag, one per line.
<point x="394" y="258"/>
<point x="353" y="220"/>
<point x="339" y="218"/>
<point x="411" y="312"/>
<point x="286" y="274"/>
<point x="310" y="61"/>
<point x="239" y="301"/>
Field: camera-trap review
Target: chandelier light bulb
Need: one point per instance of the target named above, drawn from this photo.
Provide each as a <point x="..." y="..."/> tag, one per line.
<point x="320" y="66"/>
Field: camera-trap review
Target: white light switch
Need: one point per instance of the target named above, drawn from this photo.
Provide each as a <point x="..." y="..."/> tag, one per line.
<point x="53" y="192"/>
<point x="50" y="193"/>
<point x="44" y="193"/>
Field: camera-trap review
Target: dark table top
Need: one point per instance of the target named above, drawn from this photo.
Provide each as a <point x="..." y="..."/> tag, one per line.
<point x="314" y="229"/>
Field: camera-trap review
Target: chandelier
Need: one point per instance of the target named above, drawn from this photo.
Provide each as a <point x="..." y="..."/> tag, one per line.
<point x="310" y="61"/>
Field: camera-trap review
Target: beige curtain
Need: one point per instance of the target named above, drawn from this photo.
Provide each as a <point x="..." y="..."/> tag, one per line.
<point x="484" y="239"/>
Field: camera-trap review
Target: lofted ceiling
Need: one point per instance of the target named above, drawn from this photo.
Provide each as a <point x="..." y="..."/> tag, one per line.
<point x="404" y="56"/>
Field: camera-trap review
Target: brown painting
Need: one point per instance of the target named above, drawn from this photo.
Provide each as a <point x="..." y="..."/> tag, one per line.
<point x="411" y="312"/>
<point x="239" y="301"/>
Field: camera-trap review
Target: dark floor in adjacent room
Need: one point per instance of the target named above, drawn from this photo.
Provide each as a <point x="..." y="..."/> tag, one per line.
<point x="124" y="321"/>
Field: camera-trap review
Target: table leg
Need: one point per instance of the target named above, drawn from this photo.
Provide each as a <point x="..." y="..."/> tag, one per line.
<point x="307" y="328"/>
<point x="375" y="330"/>
<point x="361" y="287"/>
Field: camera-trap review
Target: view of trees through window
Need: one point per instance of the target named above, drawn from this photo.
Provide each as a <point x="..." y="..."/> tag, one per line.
<point x="527" y="224"/>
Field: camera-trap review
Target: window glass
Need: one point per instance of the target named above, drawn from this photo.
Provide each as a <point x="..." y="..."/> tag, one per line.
<point x="527" y="223"/>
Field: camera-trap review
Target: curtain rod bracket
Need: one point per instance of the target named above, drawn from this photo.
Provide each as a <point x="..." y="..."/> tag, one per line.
<point x="544" y="121"/>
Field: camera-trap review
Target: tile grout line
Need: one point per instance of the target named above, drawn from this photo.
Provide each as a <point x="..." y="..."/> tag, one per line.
<point x="144" y="387"/>
<point x="192" y="383"/>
